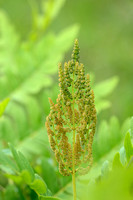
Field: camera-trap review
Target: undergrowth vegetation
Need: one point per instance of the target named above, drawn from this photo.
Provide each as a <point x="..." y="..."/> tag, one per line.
<point x="28" y="76"/>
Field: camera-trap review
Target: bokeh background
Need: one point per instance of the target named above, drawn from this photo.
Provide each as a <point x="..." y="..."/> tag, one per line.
<point x="35" y="35"/>
<point x="105" y="37"/>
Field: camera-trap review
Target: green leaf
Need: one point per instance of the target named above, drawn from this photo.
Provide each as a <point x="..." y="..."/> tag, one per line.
<point x="22" y="162"/>
<point x="35" y="144"/>
<point x="123" y="156"/>
<point x="108" y="135"/>
<point x="102" y="105"/>
<point x="5" y="161"/>
<point x="53" y="178"/>
<point x="115" y="133"/>
<point x="25" y="165"/>
<point x="34" y="84"/>
<point x="26" y="176"/>
<point x="105" y="169"/>
<point x="40" y="59"/>
<point x="125" y="126"/>
<point x="3" y="105"/>
<point x="101" y="140"/>
<point x="106" y="87"/>
<point x="11" y="193"/>
<point x="23" y="177"/>
<point x="128" y="146"/>
<point x="39" y="185"/>
<point x="17" y="179"/>
<point x="117" y="162"/>
<point x="103" y="89"/>
<point x="53" y="6"/>
<point x="16" y="157"/>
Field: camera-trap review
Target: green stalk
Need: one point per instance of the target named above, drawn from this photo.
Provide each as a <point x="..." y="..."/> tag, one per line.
<point x="74" y="185"/>
<point x="73" y="161"/>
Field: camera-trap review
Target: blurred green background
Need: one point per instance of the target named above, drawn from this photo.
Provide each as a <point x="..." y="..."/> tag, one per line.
<point x="105" y="37"/>
<point x="35" y="35"/>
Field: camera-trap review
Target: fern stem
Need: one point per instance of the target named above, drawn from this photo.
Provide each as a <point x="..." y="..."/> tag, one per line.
<point x="74" y="186"/>
<point x="73" y="158"/>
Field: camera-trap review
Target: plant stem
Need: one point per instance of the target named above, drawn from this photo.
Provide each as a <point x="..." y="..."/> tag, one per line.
<point x="74" y="185"/>
<point x="73" y="158"/>
<point x="73" y="173"/>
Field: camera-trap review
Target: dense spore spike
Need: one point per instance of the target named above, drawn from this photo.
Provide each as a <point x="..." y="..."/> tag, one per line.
<point x="75" y="53"/>
<point x="72" y="120"/>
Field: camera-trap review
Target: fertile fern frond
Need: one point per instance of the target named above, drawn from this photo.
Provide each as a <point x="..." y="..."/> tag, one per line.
<point x="72" y="120"/>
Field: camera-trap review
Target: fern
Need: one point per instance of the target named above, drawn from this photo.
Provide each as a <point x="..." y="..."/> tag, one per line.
<point x="27" y="89"/>
<point x="102" y="90"/>
<point x="108" y="136"/>
<point x="39" y="58"/>
<point x="22" y="173"/>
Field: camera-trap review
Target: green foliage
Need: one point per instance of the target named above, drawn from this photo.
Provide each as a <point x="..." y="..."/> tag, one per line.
<point x="128" y="146"/>
<point x="105" y="169"/>
<point x="102" y="90"/>
<point x="116" y="161"/>
<point x="3" y="105"/>
<point x="6" y="163"/>
<point x="41" y="20"/>
<point x="22" y="173"/>
<point x="117" y="186"/>
<point x="108" y="136"/>
<point x="32" y="64"/>
<point x="10" y="193"/>
<point x="28" y="68"/>
<point x="39" y="185"/>
<point x="22" y="162"/>
<point x="28" y="77"/>
<point x="99" y="179"/>
<point x="120" y="177"/>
